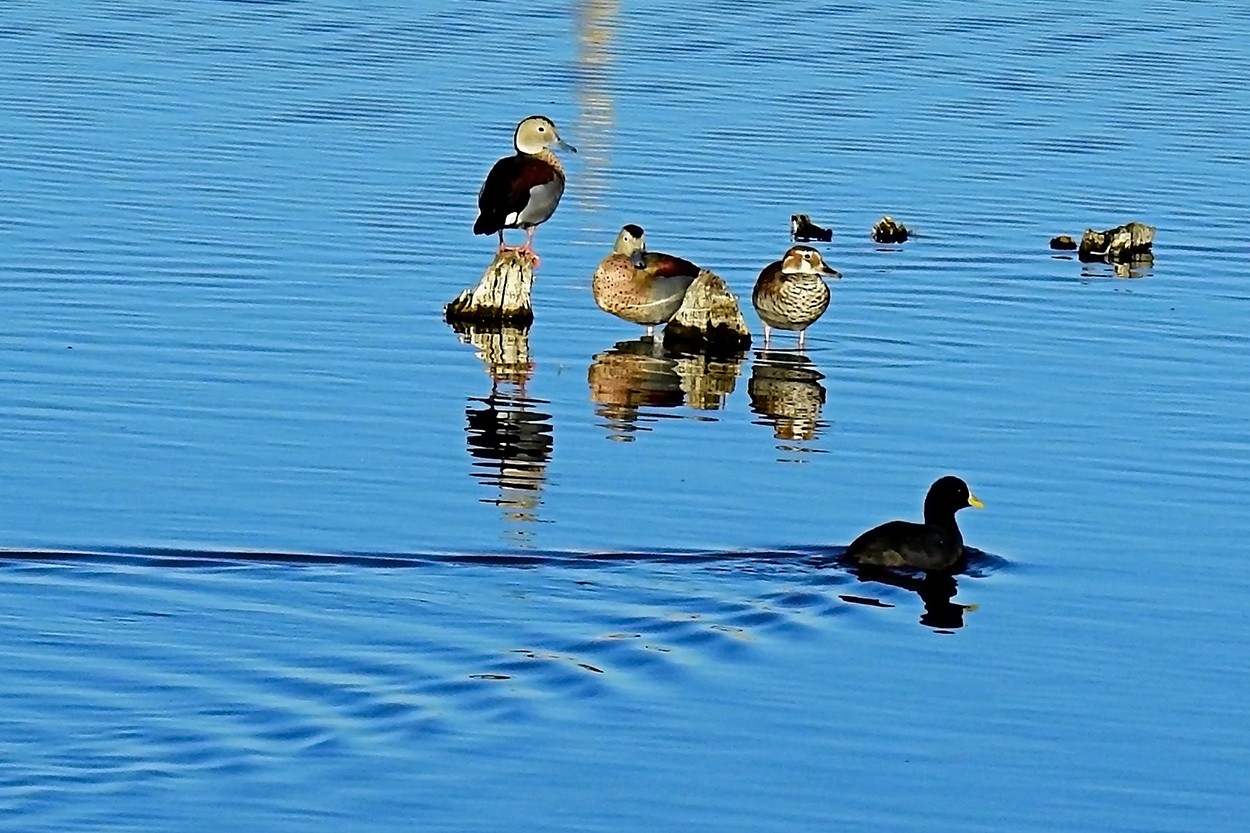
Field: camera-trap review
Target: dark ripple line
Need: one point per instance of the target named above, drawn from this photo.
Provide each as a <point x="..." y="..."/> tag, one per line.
<point x="184" y="558"/>
<point x="979" y="563"/>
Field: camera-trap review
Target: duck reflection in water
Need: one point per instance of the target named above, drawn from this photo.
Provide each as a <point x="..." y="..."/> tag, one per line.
<point x="509" y="438"/>
<point x="936" y="592"/>
<point x="634" y="378"/>
<point x="786" y="393"/>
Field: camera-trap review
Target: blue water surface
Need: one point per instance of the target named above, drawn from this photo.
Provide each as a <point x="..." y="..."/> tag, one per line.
<point x="283" y="551"/>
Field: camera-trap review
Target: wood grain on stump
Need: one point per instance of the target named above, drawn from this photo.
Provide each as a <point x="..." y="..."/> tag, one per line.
<point x="502" y="295"/>
<point x="709" y="317"/>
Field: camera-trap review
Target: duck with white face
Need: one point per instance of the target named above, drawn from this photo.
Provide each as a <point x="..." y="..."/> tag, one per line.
<point x="791" y="293"/>
<point x="636" y="285"/>
<point x="523" y="190"/>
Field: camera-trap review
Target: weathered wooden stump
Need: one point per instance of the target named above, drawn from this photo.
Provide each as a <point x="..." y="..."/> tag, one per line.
<point x="889" y="230"/>
<point x="709" y="318"/>
<point x="802" y="230"/>
<point x="1122" y="244"/>
<point x="502" y="296"/>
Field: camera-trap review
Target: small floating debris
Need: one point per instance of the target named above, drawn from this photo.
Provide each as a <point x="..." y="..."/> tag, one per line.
<point x="1129" y="243"/>
<point x="502" y="294"/>
<point x="889" y="230"/>
<point x="1125" y="248"/>
<point x="802" y="229"/>
<point x="709" y="318"/>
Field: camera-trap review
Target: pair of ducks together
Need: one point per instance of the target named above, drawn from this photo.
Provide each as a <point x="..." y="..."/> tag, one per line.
<point x="523" y="190"/>
<point x="648" y="287"/>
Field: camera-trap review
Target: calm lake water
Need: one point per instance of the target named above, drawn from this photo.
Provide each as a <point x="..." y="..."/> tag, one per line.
<point x="283" y="551"/>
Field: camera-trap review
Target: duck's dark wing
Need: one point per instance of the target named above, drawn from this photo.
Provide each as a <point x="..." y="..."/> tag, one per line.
<point x="906" y="544"/>
<point x="666" y="266"/>
<point x="770" y="276"/>
<point x="507" y="190"/>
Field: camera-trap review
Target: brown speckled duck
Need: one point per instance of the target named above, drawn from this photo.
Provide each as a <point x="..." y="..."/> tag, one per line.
<point x="524" y="189"/>
<point x="640" y="286"/>
<point x="790" y="293"/>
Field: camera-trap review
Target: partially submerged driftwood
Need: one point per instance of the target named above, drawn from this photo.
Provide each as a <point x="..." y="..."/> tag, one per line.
<point x="802" y="229"/>
<point x="1122" y="244"/>
<point x="502" y="295"/>
<point x="709" y="317"/>
<point x="889" y="230"/>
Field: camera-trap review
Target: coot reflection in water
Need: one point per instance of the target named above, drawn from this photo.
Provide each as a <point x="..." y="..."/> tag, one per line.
<point x="936" y="590"/>
<point x="786" y="393"/>
<point x="632" y="378"/>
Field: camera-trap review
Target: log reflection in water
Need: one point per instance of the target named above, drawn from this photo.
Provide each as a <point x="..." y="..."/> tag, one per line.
<point x="634" y="381"/>
<point x="510" y="439"/>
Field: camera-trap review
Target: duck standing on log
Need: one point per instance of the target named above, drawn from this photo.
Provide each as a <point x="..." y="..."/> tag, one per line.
<point x="643" y="287"/>
<point x="523" y="190"/>
<point x="790" y="293"/>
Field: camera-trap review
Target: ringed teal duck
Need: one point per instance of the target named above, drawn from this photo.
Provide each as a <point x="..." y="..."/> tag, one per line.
<point x="524" y="189"/>
<point x="936" y="544"/>
<point x="790" y="293"/>
<point x="640" y="286"/>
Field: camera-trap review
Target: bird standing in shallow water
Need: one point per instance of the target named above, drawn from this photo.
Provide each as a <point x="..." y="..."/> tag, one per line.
<point x="936" y="544"/>
<point x="643" y="287"/>
<point x="790" y="293"/>
<point x="524" y="189"/>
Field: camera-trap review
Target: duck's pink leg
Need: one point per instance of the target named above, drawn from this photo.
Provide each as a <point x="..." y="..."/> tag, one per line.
<point x="504" y="247"/>
<point x="528" y="246"/>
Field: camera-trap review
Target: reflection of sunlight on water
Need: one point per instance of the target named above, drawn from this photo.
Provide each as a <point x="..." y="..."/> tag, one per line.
<point x="637" y="375"/>
<point x="596" y="21"/>
<point x="510" y="440"/>
<point x="786" y="392"/>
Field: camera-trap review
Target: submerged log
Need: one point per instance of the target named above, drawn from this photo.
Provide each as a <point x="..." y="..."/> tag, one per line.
<point x="889" y="230"/>
<point x="802" y="229"/>
<point x="502" y="295"/>
<point x="1122" y="244"/>
<point x="709" y="317"/>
